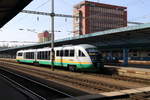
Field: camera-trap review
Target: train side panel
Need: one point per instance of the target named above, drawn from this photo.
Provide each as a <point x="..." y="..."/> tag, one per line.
<point x="75" y="56"/>
<point x="26" y="56"/>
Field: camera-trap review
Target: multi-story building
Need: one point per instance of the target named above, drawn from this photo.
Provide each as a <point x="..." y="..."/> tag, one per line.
<point x="44" y="37"/>
<point x="94" y="17"/>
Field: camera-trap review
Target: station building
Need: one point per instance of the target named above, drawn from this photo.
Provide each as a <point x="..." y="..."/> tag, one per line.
<point x="94" y="17"/>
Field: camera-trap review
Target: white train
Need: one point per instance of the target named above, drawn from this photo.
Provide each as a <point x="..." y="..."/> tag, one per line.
<point x="83" y="56"/>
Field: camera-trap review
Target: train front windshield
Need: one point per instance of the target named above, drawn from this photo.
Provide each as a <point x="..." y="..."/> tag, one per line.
<point x="94" y="54"/>
<point x="96" y="57"/>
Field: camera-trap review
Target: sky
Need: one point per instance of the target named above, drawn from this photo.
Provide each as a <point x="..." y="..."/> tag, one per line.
<point x="138" y="10"/>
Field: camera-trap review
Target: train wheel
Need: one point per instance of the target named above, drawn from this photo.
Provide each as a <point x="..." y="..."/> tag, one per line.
<point x="36" y="63"/>
<point x="72" y="68"/>
<point x="19" y="62"/>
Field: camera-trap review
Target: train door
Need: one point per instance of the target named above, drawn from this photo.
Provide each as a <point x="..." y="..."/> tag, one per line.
<point x="35" y="56"/>
<point x="81" y="57"/>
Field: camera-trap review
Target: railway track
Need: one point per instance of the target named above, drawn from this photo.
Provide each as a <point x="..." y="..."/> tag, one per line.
<point x="89" y="84"/>
<point x="137" y="96"/>
<point x="35" y="89"/>
<point x="28" y="94"/>
<point x="85" y="84"/>
<point x="97" y="84"/>
<point x="124" y="78"/>
<point x="113" y="76"/>
<point x="140" y="96"/>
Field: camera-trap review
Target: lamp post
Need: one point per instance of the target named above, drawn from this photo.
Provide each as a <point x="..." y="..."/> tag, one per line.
<point x="52" y="35"/>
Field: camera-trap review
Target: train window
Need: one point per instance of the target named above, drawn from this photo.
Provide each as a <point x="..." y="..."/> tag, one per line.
<point x="42" y="55"/>
<point x="45" y="55"/>
<point x="32" y="55"/>
<point x="38" y="55"/>
<point x="20" y="54"/>
<point x="72" y="53"/>
<point x="61" y="53"/>
<point x="81" y="54"/>
<point x="57" y="53"/>
<point x="66" y="53"/>
<point x="48" y="53"/>
<point x="29" y="55"/>
<point x="26" y="55"/>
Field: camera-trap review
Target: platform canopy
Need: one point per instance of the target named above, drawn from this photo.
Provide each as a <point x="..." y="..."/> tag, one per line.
<point x="10" y="8"/>
<point x="137" y="37"/>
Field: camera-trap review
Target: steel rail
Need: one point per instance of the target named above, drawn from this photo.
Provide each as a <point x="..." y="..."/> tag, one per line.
<point x="22" y="89"/>
<point x="41" y="84"/>
<point x="75" y="80"/>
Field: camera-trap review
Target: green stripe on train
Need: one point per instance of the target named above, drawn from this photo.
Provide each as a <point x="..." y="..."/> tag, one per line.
<point x="66" y="64"/>
<point x="83" y="66"/>
<point x="26" y="61"/>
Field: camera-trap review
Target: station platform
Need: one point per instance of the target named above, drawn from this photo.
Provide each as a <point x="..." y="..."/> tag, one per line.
<point x="131" y="70"/>
<point x="8" y="92"/>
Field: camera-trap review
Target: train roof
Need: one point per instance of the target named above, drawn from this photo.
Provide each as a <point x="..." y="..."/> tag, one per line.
<point x="62" y="47"/>
<point x="29" y="50"/>
<point x="86" y="46"/>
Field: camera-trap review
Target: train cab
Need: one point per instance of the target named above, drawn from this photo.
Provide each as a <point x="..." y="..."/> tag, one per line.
<point x="95" y="56"/>
<point x="91" y="55"/>
<point x="19" y="56"/>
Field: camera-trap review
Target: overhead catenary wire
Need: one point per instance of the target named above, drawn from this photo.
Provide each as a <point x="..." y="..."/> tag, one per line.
<point x="143" y="17"/>
<point x="41" y="5"/>
<point x="66" y="2"/>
